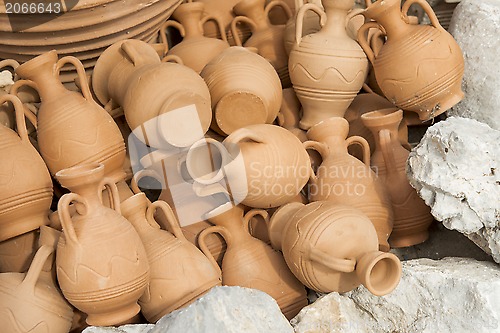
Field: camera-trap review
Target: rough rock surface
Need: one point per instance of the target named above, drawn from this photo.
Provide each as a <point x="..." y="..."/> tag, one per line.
<point x="475" y="26"/>
<point x="456" y="170"/>
<point x="122" y="329"/>
<point x="449" y="295"/>
<point x="5" y="79"/>
<point x="227" y="310"/>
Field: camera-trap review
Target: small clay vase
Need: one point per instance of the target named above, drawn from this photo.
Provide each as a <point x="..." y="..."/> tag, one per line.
<point x="260" y="166"/>
<point x="17" y="253"/>
<point x="195" y="50"/>
<point x="29" y="303"/>
<point x="61" y="112"/>
<point x="310" y="24"/>
<point x="333" y="248"/>
<point x="289" y="115"/>
<point x="244" y="88"/>
<point x="102" y="266"/>
<point x="249" y="262"/>
<point x="179" y="272"/>
<point x="25" y="186"/>
<point x="343" y="179"/>
<point x="159" y="108"/>
<point x="420" y="67"/>
<point x="327" y="68"/>
<point x="412" y="217"/>
<point x="266" y="37"/>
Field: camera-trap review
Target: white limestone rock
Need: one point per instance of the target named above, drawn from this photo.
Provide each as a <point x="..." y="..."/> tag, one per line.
<point x="6" y="79"/>
<point x="456" y="170"/>
<point x="449" y="295"/>
<point x="475" y="25"/>
<point x="227" y="310"/>
<point x="142" y="328"/>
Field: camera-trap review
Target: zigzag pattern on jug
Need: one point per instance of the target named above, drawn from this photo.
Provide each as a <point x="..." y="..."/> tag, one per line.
<point x="40" y="327"/>
<point x="332" y="70"/>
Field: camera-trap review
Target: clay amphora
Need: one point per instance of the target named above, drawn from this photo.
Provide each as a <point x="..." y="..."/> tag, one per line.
<point x="289" y="115"/>
<point x="244" y="88"/>
<point x="195" y="50"/>
<point x="29" y="303"/>
<point x="420" y="67"/>
<point x="310" y="24"/>
<point x="165" y="104"/>
<point x="412" y="216"/>
<point x="343" y="179"/>
<point x="327" y="68"/>
<point x="260" y="166"/>
<point x="179" y="272"/>
<point x="102" y="266"/>
<point x="72" y="128"/>
<point x="249" y="262"/>
<point x="16" y="253"/>
<point x="25" y="184"/>
<point x="266" y="37"/>
<point x="332" y="247"/>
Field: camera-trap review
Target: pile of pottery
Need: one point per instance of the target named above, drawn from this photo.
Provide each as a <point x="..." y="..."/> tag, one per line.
<point x="248" y="197"/>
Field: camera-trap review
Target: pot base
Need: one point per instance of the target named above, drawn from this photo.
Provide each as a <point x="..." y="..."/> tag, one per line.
<point x="240" y="109"/>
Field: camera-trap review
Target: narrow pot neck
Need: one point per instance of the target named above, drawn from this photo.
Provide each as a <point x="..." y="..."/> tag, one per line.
<point x="390" y="18"/>
<point x="336" y="22"/>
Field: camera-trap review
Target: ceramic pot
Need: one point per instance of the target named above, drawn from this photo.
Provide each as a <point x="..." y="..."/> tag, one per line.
<point x="102" y="266"/>
<point x="343" y="179"/>
<point x="97" y="139"/>
<point x="327" y="68"/>
<point x="25" y="187"/>
<point x="245" y="90"/>
<point x="17" y="253"/>
<point x="249" y="262"/>
<point x="30" y="303"/>
<point x="266" y="37"/>
<point x="420" y="67"/>
<point x="332" y="247"/>
<point x="180" y="273"/>
<point x="195" y="50"/>
<point x="310" y="24"/>
<point x="260" y="166"/>
<point x="412" y="216"/>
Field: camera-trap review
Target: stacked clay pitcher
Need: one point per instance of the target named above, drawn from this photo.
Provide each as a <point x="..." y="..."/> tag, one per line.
<point x="254" y="143"/>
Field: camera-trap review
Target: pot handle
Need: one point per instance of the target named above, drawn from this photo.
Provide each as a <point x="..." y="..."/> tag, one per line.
<point x="18" y="110"/>
<point x="248" y="216"/>
<point x="327" y="260"/>
<point x="80" y="70"/>
<point x="169" y="213"/>
<point x="65" y="217"/>
<point x="234" y="30"/>
<point x="359" y="140"/>
<point x="113" y="195"/>
<point x="139" y="175"/>
<point x="427" y="8"/>
<point x="172" y="58"/>
<point x="300" y="19"/>
<point x="163" y="35"/>
<point x="13" y="91"/>
<point x="387" y="150"/>
<point x="321" y="148"/>
<point x="362" y="39"/>
<point x="132" y="53"/>
<point x="279" y="3"/>
<point x="217" y="21"/>
<point x="354" y="12"/>
<point x="242" y="134"/>
<point x="203" y="246"/>
<point x="36" y="267"/>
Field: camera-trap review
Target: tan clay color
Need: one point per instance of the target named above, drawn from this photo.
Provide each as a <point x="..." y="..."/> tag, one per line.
<point x="102" y="266"/>
<point x="195" y="50"/>
<point x="249" y="262"/>
<point x="72" y="128"/>
<point x="29" y="303"/>
<point x="245" y="90"/>
<point x="26" y="187"/>
<point x="165" y="104"/>
<point x="17" y="253"/>
<point x="331" y="247"/>
<point x="420" y="67"/>
<point x="343" y="179"/>
<point x="327" y="68"/>
<point x="412" y="216"/>
<point x="266" y="37"/>
<point x="310" y="24"/>
<point x="179" y="272"/>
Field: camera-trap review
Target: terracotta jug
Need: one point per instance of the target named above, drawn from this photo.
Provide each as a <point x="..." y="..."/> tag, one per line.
<point x="25" y="184"/>
<point x="17" y="252"/>
<point x="179" y="272"/>
<point x="412" y="216"/>
<point x="289" y="115"/>
<point x="102" y="266"/>
<point x="266" y="37"/>
<point x="327" y="68"/>
<point x="245" y="90"/>
<point x="343" y="179"/>
<point x="29" y="304"/>
<point x="195" y="50"/>
<point x="249" y="262"/>
<point x="165" y="104"/>
<point x="310" y="24"/>
<point x="332" y="247"/>
<point x="260" y="166"/>
<point x="420" y="67"/>
<point x="61" y="112"/>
